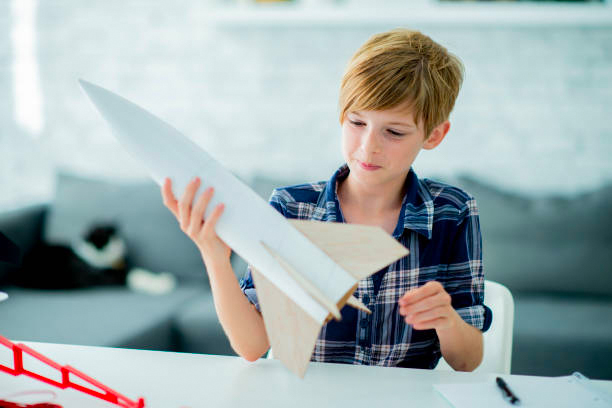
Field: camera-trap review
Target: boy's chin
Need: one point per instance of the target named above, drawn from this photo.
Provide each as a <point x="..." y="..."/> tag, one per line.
<point x="379" y="176"/>
<point x="370" y="177"/>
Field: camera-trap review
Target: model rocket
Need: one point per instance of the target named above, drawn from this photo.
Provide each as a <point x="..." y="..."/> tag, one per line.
<point x="304" y="271"/>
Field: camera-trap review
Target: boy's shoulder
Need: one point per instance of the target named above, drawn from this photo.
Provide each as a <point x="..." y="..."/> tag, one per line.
<point x="301" y="193"/>
<point x="444" y="194"/>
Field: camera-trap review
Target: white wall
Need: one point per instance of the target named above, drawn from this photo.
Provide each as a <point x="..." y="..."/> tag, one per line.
<point x="533" y="115"/>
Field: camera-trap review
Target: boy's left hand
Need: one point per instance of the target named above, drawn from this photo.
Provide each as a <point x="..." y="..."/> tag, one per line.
<point x="428" y="307"/>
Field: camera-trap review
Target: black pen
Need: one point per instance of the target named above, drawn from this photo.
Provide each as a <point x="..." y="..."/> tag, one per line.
<point x="507" y="394"/>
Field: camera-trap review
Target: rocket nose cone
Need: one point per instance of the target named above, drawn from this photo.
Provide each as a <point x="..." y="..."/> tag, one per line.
<point x="117" y="110"/>
<point x="94" y="92"/>
<point x="85" y="84"/>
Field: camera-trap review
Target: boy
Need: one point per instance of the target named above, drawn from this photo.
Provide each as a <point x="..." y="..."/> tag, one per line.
<point x="395" y="99"/>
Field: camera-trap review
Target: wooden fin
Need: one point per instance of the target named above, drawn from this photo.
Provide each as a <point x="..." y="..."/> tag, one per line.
<point x="356" y="303"/>
<point x="309" y="287"/>
<point x="291" y="331"/>
<point x="360" y="249"/>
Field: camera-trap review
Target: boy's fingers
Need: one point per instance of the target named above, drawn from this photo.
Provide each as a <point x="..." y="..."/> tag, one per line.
<point x="415" y="295"/>
<point x="430" y="302"/>
<point x="437" y="299"/>
<point x="184" y="206"/>
<point x="428" y="325"/>
<point x="428" y="315"/>
<point x="198" y="211"/>
<point x="209" y="225"/>
<point x="168" y="197"/>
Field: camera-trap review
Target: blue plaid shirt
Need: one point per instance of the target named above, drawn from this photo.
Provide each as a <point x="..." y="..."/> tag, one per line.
<point x="439" y="224"/>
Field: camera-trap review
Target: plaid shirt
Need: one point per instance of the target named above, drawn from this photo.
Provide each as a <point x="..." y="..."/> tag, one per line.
<point x="439" y="224"/>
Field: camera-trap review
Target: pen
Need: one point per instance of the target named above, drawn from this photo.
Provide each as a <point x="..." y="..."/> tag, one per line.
<point x="507" y="394"/>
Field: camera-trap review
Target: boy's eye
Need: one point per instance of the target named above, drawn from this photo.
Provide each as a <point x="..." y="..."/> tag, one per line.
<point x="391" y="131"/>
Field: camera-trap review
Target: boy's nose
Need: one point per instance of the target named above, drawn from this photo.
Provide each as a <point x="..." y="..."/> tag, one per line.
<point x="370" y="142"/>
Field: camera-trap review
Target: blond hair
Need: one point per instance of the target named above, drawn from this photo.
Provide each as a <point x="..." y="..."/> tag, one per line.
<point x="402" y="66"/>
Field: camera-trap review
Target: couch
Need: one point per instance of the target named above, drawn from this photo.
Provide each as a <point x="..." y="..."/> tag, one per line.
<point x="555" y="256"/>
<point x="553" y="253"/>
<point x="111" y="316"/>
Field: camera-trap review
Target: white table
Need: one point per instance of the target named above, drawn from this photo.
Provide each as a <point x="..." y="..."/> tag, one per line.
<point x="173" y="380"/>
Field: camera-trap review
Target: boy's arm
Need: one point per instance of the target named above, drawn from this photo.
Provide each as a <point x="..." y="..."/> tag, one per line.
<point x="461" y="344"/>
<point x="242" y="323"/>
<point x="429" y="307"/>
<point x="458" y="317"/>
<point x="237" y="309"/>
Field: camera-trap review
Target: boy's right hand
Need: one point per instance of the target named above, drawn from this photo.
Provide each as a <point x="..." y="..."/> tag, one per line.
<point x="191" y="220"/>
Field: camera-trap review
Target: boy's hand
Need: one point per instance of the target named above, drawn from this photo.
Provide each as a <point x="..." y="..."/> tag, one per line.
<point x="191" y="220"/>
<point x="428" y="307"/>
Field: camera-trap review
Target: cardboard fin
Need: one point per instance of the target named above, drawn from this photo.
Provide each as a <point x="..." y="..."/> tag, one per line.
<point x="311" y="289"/>
<point x="360" y="249"/>
<point x="291" y="331"/>
<point x="357" y="304"/>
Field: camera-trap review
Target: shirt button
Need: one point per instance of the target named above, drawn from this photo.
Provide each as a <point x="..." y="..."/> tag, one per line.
<point x="363" y="323"/>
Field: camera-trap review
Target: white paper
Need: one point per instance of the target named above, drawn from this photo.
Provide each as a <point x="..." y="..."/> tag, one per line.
<point x="536" y="392"/>
<point x="247" y="219"/>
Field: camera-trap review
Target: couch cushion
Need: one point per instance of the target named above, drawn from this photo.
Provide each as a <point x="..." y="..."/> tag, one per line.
<point x="114" y="317"/>
<point x="197" y="325"/>
<point x="556" y="335"/>
<point x="198" y="329"/>
<point x="22" y="226"/>
<point x="153" y="237"/>
<point x="546" y="243"/>
<point x="264" y="186"/>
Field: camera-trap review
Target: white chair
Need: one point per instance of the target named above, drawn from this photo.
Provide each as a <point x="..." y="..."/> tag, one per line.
<point x="498" y="339"/>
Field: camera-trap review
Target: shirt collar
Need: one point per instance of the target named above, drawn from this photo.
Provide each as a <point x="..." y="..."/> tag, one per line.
<point x="417" y="206"/>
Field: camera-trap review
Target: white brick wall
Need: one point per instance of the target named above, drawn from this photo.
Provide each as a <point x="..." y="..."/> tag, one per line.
<point x="533" y="115"/>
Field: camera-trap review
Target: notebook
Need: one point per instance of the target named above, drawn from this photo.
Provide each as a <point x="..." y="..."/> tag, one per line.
<point x="558" y="392"/>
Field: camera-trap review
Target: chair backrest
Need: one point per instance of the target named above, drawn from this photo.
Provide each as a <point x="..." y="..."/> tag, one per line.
<point x="498" y="339"/>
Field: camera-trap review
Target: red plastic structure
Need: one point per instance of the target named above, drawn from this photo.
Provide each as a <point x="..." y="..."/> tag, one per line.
<point x="9" y="404"/>
<point x="109" y="395"/>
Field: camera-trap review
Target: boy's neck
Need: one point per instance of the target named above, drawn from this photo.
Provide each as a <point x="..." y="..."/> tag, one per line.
<point x="375" y="201"/>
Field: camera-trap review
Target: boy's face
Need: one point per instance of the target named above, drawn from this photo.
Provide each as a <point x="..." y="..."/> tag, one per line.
<point x="380" y="146"/>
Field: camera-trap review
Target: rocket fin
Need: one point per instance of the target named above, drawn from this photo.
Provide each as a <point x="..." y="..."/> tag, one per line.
<point x="356" y="303"/>
<point x="291" y="331"/>
<point x="310" y="288"/>
<point x="360" y="249"/>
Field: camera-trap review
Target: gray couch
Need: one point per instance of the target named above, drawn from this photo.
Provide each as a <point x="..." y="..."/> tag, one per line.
<point x="112" y="316"/>
<point x="553" y="254"/>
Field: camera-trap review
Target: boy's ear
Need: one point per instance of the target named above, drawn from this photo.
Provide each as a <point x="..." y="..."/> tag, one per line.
<point x="437" y="135"/>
